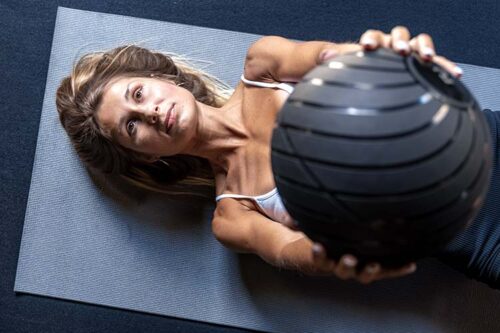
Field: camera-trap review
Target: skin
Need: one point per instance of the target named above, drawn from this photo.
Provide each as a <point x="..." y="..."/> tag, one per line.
<point x="235" y="137"/>
<point x="400" y="41"/>
<point x="199" y="129"/>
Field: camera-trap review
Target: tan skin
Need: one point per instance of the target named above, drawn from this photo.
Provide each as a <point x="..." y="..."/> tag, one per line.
<point x="236" y="138"/>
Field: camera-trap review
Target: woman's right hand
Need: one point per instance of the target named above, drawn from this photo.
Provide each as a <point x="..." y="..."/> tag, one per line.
<point x="345" y="268"/>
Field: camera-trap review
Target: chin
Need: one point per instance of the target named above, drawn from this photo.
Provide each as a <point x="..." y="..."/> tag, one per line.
<point x="186" y="119"/>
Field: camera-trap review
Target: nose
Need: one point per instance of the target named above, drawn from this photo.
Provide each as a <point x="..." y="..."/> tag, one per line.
<point x="153" y="115"/>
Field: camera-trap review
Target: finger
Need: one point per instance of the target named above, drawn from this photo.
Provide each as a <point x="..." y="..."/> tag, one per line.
<point x="425" y="47"/>
<point x="321" y="261"/>
<point x="369" y="273"/>
<point x="319" y="252"/>
<point x="448" y="65"/>
<point x="371" y="39"/>
<point x="346" y="267"/>
<point x="395" y="273"/>
<point x="413" y="44"/>
<point x="386" y="41"/>
<point x="400" y="37"/>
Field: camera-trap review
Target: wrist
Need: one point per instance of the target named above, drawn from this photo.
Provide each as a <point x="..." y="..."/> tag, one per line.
<point x="349" y="47"/>
<point x="332" y="50"/>
<point x="297" y="255"/>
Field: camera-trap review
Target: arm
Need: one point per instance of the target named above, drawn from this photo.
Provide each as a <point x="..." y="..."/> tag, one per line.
<point x="247" y="231"/>
<point x="275" y="58"/>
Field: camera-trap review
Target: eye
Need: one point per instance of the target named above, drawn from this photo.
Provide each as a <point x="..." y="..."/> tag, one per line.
<point x="138" y="94"/>
<point x="131" y="127"/>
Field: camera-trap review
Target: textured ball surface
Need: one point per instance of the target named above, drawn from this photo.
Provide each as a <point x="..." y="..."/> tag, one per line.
<point x="381" y="156"/>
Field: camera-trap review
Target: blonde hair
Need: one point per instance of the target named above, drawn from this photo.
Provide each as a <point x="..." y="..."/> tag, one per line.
<point x="79" y="96"/>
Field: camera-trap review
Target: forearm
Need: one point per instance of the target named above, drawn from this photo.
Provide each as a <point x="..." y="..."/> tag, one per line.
<point x="287" y="249"/>
<point x="280" y="59"/>
<point x="297" y="255"/>
<point x="252" y="232"/>
<point x="308" y="55"/>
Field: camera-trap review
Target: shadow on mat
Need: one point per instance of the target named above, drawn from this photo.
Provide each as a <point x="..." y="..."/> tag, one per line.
<point x="151" y="208"/>
<point x="435" y="295"/>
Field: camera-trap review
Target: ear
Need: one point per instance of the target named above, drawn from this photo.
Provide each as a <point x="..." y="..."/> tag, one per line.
<point x="145" y="158"/>
<point x="150" y="158"/>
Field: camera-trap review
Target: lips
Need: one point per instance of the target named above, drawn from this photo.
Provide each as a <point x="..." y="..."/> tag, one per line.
<point x="169" y="119"/>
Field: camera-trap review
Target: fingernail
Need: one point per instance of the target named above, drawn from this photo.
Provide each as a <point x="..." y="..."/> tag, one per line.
<point x="372" y="268"/>
<point x="401" y="45"/>
<point x="412" y="268"/>
<point x="370" y="42"/>
<point x="349" y="261"/>
<point x="316" y="249"/>
<point x="458" y="71"/>
<point x="428" y="52"/>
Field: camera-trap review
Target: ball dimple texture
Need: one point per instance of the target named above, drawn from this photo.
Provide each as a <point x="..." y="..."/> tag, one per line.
<point x="381" y="156"/>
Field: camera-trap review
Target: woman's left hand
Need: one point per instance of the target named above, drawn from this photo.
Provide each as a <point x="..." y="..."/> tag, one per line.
<point x="399" y="40"/>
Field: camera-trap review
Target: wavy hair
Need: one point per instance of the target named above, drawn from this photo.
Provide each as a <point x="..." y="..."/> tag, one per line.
<point x="79" y="96"/>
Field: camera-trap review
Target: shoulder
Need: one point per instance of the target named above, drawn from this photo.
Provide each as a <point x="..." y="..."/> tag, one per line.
<point x="233" y="224"/>
<point x="247" y="231"/>
<point x="268" y="43"/>
<point x="234" y="211"/>
<point x="265" y="56"/>
<point x="231" y="208"/>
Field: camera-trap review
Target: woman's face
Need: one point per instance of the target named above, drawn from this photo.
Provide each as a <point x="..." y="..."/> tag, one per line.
<point x="149" y="115"/>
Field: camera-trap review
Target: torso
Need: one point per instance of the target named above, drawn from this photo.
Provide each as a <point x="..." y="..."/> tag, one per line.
<point x="249" y="169"/>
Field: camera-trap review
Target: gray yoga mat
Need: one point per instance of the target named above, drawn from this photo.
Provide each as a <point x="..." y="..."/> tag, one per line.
<point x="160" y="257"/>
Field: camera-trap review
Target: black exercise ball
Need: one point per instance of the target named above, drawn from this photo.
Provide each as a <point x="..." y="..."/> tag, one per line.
<point x="382" y="156"/>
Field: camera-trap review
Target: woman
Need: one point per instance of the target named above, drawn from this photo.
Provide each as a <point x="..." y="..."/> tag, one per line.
<point x="167" y="127"/>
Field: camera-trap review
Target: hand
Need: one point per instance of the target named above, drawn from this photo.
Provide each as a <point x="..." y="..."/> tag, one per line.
<point x="399" y="41"/>
<point x="346" y="267"/>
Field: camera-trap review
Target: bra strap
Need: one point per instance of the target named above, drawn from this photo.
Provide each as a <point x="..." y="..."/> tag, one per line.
<point x="235" y="196"/>
<point x="288" y="88"/>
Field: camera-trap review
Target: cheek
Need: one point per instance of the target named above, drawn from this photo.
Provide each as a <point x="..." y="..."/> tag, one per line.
<point x="147" y="137"/>
<point x="166" y="90"/>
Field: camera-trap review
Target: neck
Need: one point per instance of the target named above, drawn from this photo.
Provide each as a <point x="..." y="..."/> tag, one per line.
<point x="220" y="132"/>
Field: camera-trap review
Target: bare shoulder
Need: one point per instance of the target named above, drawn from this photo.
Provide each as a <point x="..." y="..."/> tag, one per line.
<point x="265" y="56"/>
<point x="269" y="43"/>
<point x="245" y="230"/>
<point x="231" y="209"/>
<point x="232" y="224"/>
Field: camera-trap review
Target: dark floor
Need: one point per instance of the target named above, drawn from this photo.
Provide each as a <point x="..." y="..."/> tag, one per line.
<point x="465" y="32"/>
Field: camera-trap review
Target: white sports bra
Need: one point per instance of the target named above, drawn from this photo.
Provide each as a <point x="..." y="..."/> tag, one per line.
<point x="270" y="203"/>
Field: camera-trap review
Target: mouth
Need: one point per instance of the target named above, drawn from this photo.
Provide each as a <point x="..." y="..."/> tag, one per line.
<point x="170" y="119"/>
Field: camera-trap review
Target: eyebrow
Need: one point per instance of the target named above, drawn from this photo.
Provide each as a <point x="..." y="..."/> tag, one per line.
<point x="127" y="92"/>
<point x="122" y="119"/>
<point x="120" y="125"/>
